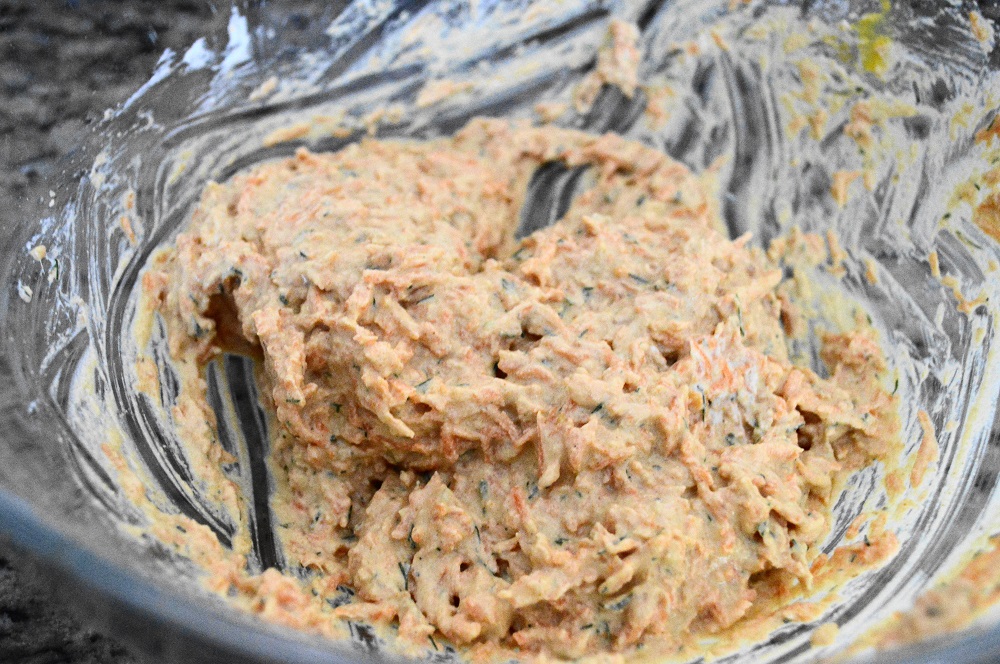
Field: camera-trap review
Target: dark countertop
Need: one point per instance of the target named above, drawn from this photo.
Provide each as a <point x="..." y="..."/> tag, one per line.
<point x="62" y="63"/>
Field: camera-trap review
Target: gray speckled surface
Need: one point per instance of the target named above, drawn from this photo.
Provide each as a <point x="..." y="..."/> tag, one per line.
<point x="62" y="63"/>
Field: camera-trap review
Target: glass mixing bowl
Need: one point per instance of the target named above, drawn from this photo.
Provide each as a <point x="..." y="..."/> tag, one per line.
<point x="727" y="89"/>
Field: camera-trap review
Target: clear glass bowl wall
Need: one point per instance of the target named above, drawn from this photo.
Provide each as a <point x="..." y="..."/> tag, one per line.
<point x="68" y="353"/>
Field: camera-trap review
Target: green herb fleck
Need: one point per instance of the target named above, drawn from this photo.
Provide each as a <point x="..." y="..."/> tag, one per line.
<point x="637" y="279"/>
<point x="739" y="315"/>
<point x="619" y="605"/>
<point x="404" y="569"/>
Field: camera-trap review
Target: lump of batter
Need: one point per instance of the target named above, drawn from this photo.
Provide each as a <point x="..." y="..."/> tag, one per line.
<point x="586" y="441"/>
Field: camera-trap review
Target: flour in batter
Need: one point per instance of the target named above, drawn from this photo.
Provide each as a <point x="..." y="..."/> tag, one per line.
<point x="584" y="442"/>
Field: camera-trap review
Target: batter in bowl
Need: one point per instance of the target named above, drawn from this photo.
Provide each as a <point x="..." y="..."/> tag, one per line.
<point x="587" y="441"/>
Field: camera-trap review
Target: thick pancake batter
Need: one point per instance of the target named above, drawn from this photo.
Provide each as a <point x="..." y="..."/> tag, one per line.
<point x="588" y="441"/>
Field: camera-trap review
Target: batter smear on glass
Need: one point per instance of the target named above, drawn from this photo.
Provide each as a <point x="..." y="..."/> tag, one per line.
<point x="587" y="441"/>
